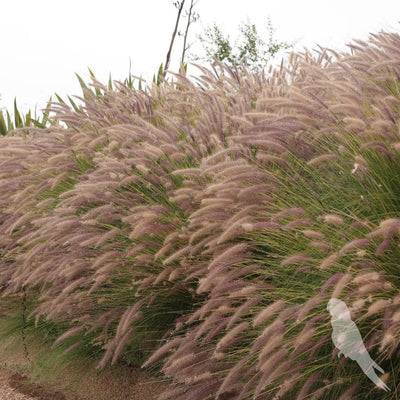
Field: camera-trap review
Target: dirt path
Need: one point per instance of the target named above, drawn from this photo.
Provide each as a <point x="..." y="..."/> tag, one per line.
<point x="132" y="386"/>
<point x="14" y="386"/>
<point x="76" y="381"/>
<point x="30" y="372"/>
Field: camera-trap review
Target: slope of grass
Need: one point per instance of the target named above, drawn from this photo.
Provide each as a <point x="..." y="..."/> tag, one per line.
<point x="200" y="228"/>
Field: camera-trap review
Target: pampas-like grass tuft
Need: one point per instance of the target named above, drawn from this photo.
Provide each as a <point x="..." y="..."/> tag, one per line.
<point x="201" y="227"/>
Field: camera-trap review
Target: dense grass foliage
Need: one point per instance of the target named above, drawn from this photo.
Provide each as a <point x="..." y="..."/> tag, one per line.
<point x="20" y="120"/>
<point x="201" y="227"/>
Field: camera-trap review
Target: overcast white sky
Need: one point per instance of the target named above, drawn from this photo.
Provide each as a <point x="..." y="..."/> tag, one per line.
<point x="44" y="42"/>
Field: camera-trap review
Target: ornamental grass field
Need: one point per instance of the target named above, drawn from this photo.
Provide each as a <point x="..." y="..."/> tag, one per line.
<point x="198" y="228"/>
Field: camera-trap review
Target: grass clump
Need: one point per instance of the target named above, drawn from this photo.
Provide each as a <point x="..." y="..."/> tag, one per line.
<point x="203" y="227"/>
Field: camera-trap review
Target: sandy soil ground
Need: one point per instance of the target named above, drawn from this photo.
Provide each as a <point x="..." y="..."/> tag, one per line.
<point x="14" y="386"/>
<point x="22" y="379"/>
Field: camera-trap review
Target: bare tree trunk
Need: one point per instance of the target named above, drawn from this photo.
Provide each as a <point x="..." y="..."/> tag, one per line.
<point x="167" y="61"/>
<point x="189" y="21"/>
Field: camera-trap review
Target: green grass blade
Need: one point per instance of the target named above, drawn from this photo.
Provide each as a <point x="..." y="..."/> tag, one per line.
<point x="3" y="125"/>
<point x="10" y="125"/>
<point x="19" y="122"/>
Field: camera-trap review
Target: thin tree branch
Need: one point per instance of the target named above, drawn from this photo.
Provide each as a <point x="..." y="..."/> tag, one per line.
<point x="189" y="21"/>
<point x="167" y="61"/>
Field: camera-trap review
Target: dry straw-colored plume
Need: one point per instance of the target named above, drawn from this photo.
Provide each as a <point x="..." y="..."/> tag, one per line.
<point x="201" y="226"/>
